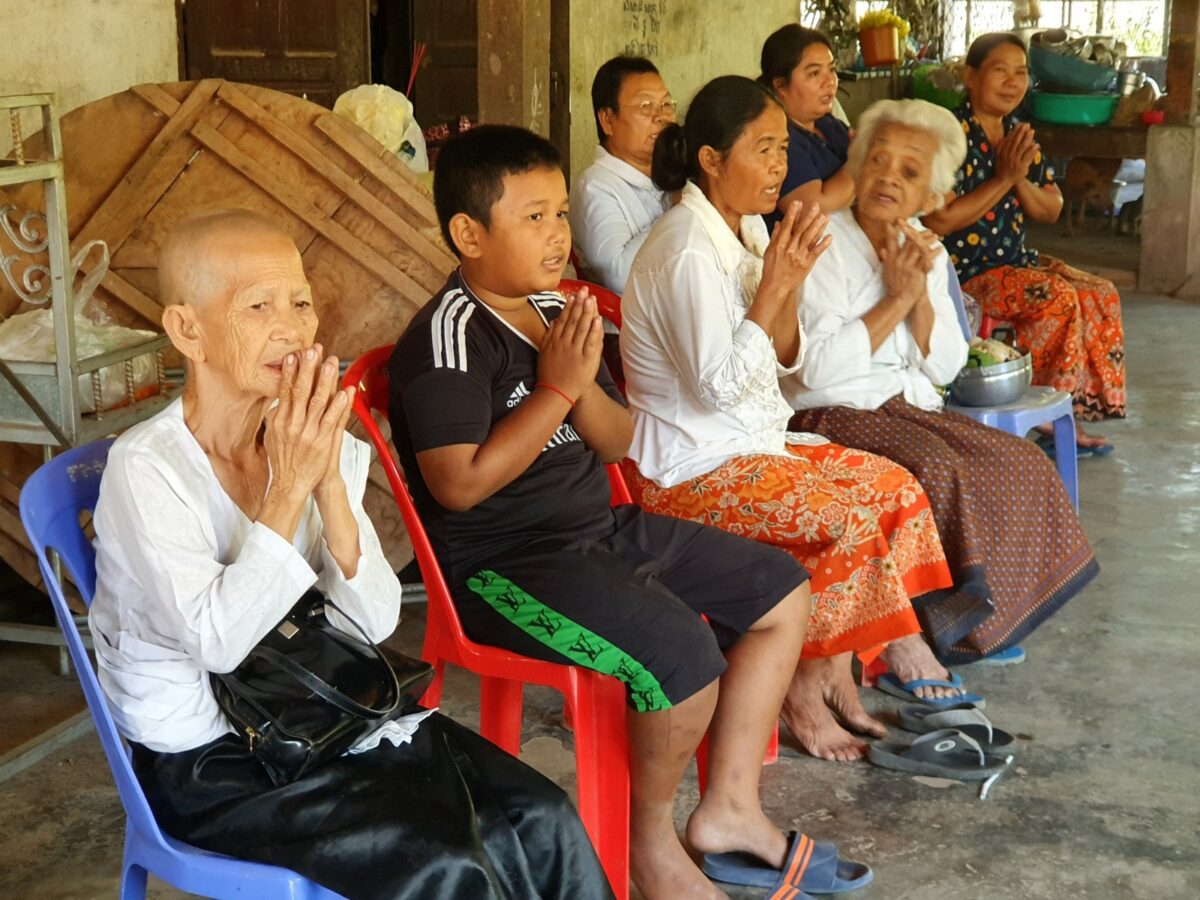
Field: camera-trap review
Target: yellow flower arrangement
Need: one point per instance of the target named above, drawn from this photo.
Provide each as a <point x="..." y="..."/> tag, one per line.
<point x="881" y="18"/>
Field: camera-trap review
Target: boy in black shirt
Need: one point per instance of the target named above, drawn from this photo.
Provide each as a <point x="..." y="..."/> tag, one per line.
<point x="503" y="414"/>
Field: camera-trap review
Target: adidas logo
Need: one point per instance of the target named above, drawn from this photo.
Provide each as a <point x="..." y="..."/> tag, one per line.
<point x="520" y="392"/>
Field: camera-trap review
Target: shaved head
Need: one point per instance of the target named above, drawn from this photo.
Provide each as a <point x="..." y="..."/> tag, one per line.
<point x="235" y="299"/>
<point x="198" y="258"/>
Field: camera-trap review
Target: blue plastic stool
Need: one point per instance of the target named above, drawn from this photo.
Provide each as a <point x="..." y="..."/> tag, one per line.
<point x="1039" y="406"/>
<point x="51" y="502"/>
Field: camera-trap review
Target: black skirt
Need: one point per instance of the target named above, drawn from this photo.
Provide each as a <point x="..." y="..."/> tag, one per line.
<point x="449" y="815"/>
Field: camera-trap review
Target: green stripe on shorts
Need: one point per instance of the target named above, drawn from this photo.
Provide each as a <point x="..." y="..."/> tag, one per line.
<point x="572" y="640"/>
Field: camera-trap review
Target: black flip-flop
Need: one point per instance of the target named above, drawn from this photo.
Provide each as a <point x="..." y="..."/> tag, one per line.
<point x="947" y="753"/>
<point x="966" y="717"/>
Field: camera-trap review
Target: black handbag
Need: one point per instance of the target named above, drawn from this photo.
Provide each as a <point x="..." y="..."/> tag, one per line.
<point x="308" y="691"/>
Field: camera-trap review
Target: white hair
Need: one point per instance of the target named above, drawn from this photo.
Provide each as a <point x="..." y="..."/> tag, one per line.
<point x="936" y="120"/>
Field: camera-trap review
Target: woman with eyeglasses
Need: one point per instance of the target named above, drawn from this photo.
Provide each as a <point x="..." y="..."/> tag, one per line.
<point x="614" y="202"/>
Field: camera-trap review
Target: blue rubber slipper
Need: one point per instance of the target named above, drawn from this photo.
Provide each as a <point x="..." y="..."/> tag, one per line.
<point x="1046" y="442"/>
<point x="811" y="867"/>
<point x="890" y="684"/>
<point x="1009" y="656"/>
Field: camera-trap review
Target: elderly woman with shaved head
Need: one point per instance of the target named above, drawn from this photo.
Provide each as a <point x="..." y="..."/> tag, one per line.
<point x="214" y="518"/>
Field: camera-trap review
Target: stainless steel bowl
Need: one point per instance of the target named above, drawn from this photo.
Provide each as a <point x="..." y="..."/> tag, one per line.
<point x="993" y="385"/>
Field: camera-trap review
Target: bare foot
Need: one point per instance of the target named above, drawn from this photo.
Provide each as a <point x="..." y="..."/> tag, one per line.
<point x="717" y="826"/>
<point x="1083" y="439"/>
<point x="841" y="696"/>
<point x="662" y="870"/>
<point x="820" y="688"/>
<point x="910" y="659"/>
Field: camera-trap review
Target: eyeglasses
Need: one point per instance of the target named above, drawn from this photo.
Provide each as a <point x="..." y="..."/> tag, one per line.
<point x="647" y="109"/>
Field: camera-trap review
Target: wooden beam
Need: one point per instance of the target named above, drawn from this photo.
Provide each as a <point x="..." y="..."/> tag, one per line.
<point x="1182" y="63"/>
<point x="157" y="97"/>
<point x="381" y="165"/>
<point x="432" y="255"/>
<point x="362" y="253"/>
<point x="151" y="176"/>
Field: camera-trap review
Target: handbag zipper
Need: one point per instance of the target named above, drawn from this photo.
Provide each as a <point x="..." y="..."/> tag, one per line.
<point x="251" y="736"/>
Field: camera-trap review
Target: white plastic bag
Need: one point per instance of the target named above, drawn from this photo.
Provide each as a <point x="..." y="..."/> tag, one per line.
<point x="386" y="115"/>
<point x="29" y="337"/>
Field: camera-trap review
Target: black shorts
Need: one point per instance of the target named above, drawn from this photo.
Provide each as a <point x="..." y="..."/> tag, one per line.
<point x="628" y="602"/>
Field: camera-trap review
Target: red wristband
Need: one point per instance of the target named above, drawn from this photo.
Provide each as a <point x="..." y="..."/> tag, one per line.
<point x="561" y="393"/>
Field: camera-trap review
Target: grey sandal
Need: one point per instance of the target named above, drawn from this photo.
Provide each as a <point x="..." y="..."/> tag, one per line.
<point x="966" y="717"/>
<point x="943" y="754"/>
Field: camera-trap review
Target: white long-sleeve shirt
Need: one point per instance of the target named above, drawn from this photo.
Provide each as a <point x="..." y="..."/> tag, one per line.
<point x="839" y="368"/>
<point x="613" y="207"/>
<point x="702" y="380"/>
<point x="186" y="584"/>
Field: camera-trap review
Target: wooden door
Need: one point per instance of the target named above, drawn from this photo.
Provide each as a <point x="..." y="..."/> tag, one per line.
<point x="310" y="48"/>
<point x="447" y="85"/>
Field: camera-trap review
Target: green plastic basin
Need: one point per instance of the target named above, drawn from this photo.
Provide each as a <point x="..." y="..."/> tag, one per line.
<point x="1074" y="109"/>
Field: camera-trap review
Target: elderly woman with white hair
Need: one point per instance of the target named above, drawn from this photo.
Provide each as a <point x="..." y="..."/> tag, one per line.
<point x="883" y="334"/>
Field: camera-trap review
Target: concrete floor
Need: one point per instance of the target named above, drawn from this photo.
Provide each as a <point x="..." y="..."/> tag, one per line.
<point x="1104" y="799"/>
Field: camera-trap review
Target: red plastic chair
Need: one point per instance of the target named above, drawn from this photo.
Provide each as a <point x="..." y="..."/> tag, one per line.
<point x="607" y="301"/>
<point x="594" y="703"/>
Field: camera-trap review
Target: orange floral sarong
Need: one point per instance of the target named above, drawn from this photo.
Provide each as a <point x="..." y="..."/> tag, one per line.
<point x="1071" y="322"/>
<point x="859" y="523"/>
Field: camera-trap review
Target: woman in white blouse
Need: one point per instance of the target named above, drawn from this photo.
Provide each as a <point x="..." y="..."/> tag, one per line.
<point x="214" y="517"/>
<point x="710" y="324"/>
<point x="883" y="334"/>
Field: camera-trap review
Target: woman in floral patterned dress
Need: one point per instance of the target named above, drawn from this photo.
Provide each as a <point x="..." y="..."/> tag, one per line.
<point x="1070" y="320"/>
<point x="710" y="322"/>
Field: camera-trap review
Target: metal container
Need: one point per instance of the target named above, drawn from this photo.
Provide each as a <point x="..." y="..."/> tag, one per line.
<point x="1128" y="82"/>
<point x="993" y="385"/>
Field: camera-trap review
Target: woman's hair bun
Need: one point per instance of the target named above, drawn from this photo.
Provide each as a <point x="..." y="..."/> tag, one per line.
<point x="669" y="165"/>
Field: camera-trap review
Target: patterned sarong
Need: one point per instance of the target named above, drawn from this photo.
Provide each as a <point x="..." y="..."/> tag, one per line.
<point x="1071" y="323"/>
<point x="860" y="524"/>
<point x="1009" y="531"/>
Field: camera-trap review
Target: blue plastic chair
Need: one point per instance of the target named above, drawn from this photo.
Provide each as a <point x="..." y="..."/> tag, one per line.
<point x="51" y="503"/>
<point x="1039" y="406"/>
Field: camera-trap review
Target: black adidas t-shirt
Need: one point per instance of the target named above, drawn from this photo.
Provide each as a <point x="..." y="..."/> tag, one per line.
<point x="457" y="370"/>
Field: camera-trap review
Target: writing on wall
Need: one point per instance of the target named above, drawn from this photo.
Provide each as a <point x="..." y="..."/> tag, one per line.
<point x="641" y="25"/>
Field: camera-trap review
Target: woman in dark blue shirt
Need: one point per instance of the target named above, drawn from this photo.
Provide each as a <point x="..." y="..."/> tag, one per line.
<point x="797" y="65"/>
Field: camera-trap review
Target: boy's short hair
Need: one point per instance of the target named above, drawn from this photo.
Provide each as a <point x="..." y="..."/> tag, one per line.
<point x="469" y="177"/>
<point x="606" y="86"/>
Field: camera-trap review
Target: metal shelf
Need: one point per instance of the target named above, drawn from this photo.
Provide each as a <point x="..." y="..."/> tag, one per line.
<point x="43" y="402"/>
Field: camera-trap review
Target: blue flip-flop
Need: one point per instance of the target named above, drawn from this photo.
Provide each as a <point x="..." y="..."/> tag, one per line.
<point x="890" y="684"/>
<point x="1046" y="442"/>
<point x="811" y="867"/>
<point x="1009" y="656"/>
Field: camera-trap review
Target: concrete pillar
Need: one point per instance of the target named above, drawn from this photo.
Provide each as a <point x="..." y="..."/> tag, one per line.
<point x="514" y="63"/>
<point x="1170" y="256"/>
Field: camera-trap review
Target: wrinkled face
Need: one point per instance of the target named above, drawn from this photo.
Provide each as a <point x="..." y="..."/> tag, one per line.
<point x="894" y="181"/>
<point x="810" y="92"/>
<point x="526" y="245"/>
<point x="998" y="86"/>
<point x="751" y="174"/>
<point x="261" y="311"/>
<point x="644" y="107"/>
